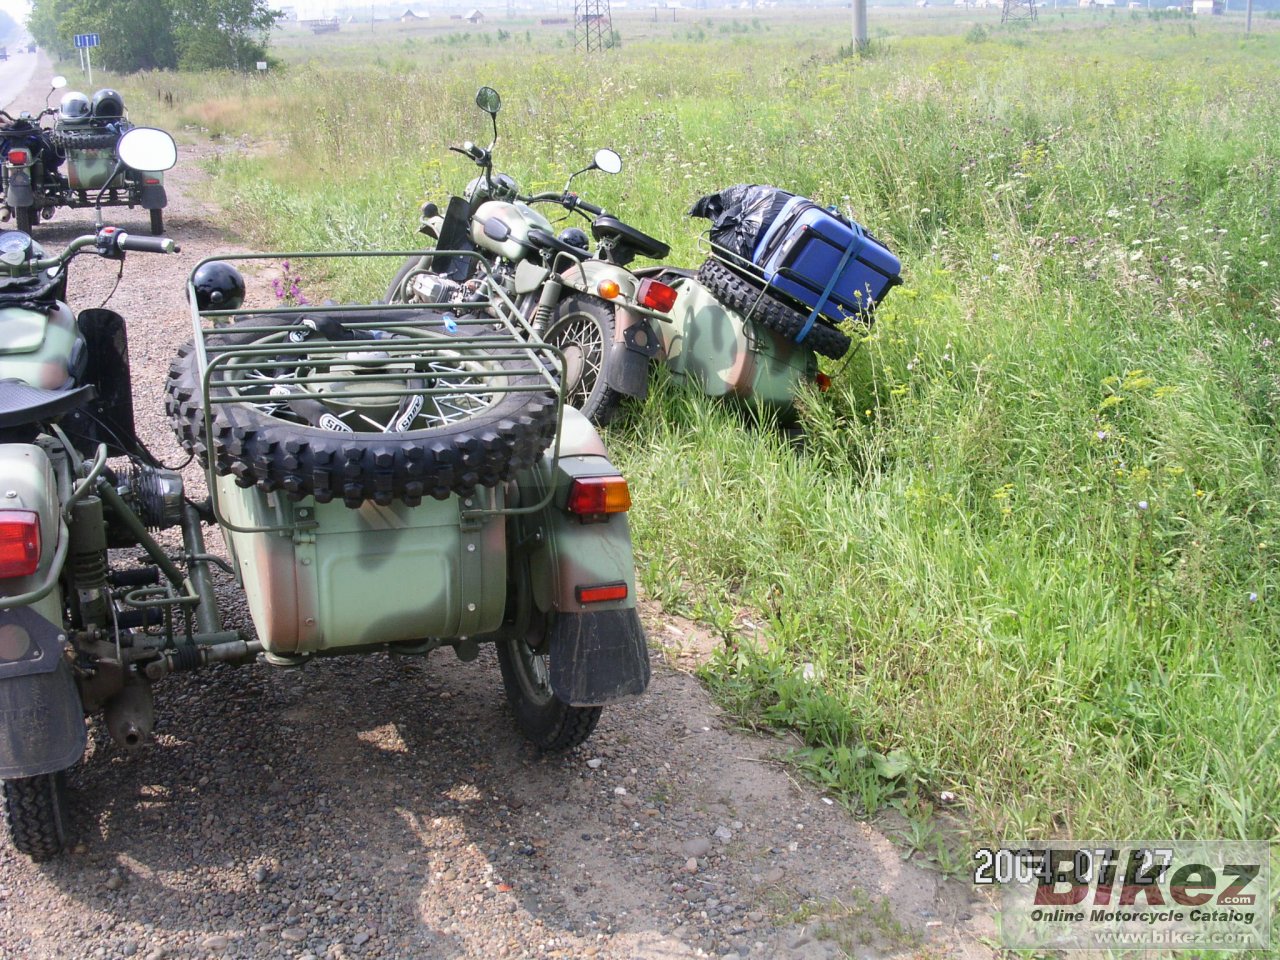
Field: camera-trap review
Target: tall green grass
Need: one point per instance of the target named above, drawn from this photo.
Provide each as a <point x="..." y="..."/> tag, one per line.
<point x="1029" y="548"/>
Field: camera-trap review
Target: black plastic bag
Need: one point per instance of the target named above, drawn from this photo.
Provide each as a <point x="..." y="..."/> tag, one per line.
<point x="741" y="215"/>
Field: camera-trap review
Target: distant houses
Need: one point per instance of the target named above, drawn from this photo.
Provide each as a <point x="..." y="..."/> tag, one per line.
<point x="411" y="16"/>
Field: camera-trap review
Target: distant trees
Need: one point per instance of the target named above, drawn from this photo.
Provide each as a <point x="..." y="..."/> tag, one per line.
<point x="159" y="34"/>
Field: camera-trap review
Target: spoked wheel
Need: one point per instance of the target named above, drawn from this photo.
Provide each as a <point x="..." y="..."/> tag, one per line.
<point x="583" y="329"/>
<point x="368" y="436"/>
<point x="35" y="809"/>
<point x="547" y="721"/>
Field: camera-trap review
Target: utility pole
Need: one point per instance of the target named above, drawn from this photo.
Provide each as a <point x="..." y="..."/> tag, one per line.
<point x="860" y="41"/>
<point x="1248" y="17"/>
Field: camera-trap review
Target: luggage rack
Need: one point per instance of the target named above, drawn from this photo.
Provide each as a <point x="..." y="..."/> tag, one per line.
<point x="456" y="364"/>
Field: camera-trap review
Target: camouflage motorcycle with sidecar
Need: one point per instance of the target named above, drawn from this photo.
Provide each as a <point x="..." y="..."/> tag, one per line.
<point x="385" y="480"/>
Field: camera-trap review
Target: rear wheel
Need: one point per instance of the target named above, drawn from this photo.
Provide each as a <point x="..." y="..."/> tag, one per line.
<point x="157" y="222"/>
<point x="546" y="720"/>
<point x="25" y="217"/>
<point x="583" y="329"/>
<point x="35" y="810"/>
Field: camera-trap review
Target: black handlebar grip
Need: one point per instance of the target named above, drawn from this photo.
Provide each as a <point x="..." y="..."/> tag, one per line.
<point x="128" y="241"/>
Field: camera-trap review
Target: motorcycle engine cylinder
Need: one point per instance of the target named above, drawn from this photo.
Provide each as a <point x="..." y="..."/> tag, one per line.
<point x="433" y="288"/>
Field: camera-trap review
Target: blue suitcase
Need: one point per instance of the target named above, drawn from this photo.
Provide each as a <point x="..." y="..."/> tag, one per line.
<point x="831" y="265"/>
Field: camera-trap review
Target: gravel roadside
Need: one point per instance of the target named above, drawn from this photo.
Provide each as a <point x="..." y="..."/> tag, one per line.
<point x="381" y="807"/>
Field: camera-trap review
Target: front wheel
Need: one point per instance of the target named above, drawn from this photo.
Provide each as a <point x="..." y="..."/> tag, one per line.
<point x="25" y="218"/>
<point x="157" y="222"/>
<point x="583" y="329"/>
<point x="35" y="810"/>
<point x="547" y="721"/>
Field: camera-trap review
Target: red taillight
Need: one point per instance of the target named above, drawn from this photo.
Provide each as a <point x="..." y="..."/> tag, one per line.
<point x="824" y="382"/>
<point x="602" y="592"/>
<point x="19" y="543"/>
<point x="151" y="181"/>
<point x="656" y="295"/>
<point x="18" y="156"/>
<point x="598" y="496"/>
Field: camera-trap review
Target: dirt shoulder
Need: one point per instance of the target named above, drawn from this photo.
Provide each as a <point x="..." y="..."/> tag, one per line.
<point x="382" y="807"/>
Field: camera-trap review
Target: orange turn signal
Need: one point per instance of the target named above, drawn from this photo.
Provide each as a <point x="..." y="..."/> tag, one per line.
<point x="608" y="289"/>
<point x="598" y="496"/>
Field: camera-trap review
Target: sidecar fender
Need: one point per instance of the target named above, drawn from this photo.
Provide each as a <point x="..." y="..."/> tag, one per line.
<point x="20" y="193"/>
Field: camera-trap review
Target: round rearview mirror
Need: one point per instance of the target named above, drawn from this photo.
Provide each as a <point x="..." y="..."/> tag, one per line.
<point x="146" y="148"/>
<point x="487" y="99"/>
<point x="58" y="82"/>
<point x="608" y="161"/>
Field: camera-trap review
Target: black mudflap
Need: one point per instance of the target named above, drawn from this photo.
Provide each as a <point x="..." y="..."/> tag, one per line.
<point x="41" y="719"/>
<point x="598" y="657"/>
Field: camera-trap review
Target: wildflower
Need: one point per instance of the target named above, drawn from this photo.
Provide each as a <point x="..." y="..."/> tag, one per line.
<point x="1102" y="434"/>
<point x="1253" y="598"/>
<point x="1142" y="504"/>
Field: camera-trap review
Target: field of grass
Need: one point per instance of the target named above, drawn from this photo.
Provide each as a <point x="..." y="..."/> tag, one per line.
<point x="1029" y="554"/>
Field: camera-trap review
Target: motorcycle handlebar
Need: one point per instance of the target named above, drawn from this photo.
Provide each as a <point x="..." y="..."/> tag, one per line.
<point x="128" y="241"/>
<point x="570" y="201"/>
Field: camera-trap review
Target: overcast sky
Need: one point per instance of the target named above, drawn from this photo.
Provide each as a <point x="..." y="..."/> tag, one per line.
<point x="18" y="9"/>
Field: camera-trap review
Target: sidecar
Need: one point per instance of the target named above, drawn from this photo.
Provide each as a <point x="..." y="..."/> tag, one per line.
<point x="386" y="479"/>
<point x="389" y="478"/>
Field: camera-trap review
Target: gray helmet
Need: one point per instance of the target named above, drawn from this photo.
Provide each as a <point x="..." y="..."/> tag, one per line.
<point x="74" y="106"/>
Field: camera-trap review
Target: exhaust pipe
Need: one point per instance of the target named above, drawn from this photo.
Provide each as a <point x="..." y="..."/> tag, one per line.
<point x="130" y="715"/>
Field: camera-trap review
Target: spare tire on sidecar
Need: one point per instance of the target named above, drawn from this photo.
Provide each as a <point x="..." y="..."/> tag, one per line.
<point x="406" y="417"/>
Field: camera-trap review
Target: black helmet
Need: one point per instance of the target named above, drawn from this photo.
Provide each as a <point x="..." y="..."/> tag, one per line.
<point x="575" y="237"/>
<point x="108" y="105"/>
<point x="219" y="286"/>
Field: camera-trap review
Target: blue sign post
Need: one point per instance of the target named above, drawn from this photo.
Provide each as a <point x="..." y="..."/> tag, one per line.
<point x="84" y="43"/>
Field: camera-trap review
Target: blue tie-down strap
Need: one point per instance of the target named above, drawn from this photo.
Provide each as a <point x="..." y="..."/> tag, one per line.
<point x="826" y="294"/>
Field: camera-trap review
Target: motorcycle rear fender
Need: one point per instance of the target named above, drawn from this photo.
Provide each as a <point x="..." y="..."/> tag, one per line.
<point x="41" y="717"/>
<point x="558" y="544"/>
<point x="153" y="196"/>
<point x="627" y="366"/>
<point x="20" y="193"/>
<point x="599" y="647"/>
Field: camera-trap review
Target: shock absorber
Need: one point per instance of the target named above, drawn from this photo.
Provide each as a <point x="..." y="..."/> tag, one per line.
<point x="88" y="556"/>
<point x="547" y="301"/>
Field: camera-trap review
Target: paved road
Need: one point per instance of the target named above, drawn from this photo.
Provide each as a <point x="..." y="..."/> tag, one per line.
<point x="15" y="74"/>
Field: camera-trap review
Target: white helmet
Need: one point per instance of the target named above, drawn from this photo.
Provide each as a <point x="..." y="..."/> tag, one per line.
<point x="74" y="106"/>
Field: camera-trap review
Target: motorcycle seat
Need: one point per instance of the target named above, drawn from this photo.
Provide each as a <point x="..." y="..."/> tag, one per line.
<point x="21" y="403"/>
<point x="611" y="228"/>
